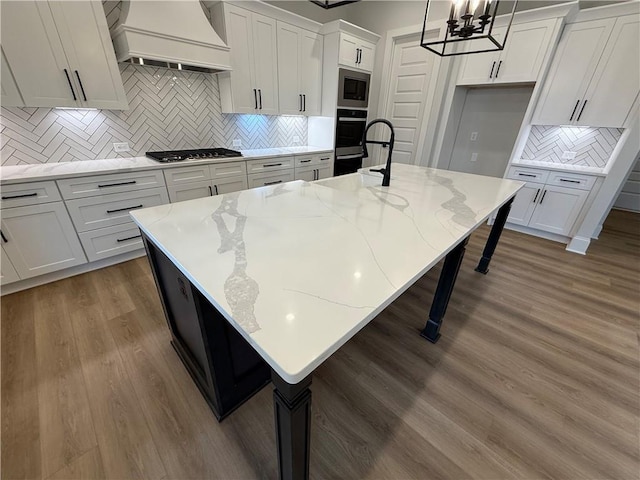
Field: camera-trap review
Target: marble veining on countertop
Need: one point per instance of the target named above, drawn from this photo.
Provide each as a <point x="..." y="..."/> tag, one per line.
<point x="560" y="167"/>
<point x="54" y="171"/>
<point x="299" y="268"/>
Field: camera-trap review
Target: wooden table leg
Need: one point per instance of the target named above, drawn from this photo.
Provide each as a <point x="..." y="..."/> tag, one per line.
<point x="447" y="280"/>
<point x="494" y="236"/>
<point x="292" y="408"/>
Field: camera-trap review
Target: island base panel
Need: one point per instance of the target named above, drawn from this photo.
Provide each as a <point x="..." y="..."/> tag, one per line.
<point x="225" y="368"/>
<point x="292" y="412"/>
<point x="494" y="237"/>
<point x="447" y="281"/>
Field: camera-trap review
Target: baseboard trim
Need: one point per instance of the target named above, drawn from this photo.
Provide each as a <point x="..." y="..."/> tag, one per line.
<point x="69" y="272"/>
<point x="538" y="233"/>
<point x="579" y="245"/>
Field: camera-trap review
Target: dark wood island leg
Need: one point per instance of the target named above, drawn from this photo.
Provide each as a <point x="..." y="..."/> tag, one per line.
<point x="447" y="280"/>
<point x="292" y="409"/>
<point x="494" y="237"/>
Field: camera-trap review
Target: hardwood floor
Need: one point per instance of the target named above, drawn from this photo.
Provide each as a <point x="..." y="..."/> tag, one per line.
<point x="536" y="376"/>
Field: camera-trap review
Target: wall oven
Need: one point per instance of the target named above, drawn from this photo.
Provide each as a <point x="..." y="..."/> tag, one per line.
<point x="349" y="130"/>
<point x="353" y="89"/>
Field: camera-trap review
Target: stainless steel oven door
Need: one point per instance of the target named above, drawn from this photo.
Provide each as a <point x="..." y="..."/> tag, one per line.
<point x="353" y="89"/>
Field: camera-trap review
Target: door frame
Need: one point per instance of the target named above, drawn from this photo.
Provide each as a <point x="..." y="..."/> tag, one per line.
<point x="433" y="97"/>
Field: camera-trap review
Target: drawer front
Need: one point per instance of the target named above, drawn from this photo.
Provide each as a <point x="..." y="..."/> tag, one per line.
<point x="189" y="191"/>
<point x="270" y="179"/>
<point x="313" y="159"/>
<point x="571" y="180"/>
<point x="269" y="164"/>
<point x="22" y="194"/>
<point x="107" y="210"/>
<point x="177" y="176"/>
<point x="83" y="187"/>
<point x="110" y="241"/>
<point x="528" y="174"/>
<point x="226" y="170"/>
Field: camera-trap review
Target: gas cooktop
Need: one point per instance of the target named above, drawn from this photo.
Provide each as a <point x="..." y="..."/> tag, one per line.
<point x="179" y="155"/>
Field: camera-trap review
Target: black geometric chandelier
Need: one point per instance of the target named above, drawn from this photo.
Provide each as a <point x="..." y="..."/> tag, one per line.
<point x="332" y="4"/>
<point x="469" y="28"/>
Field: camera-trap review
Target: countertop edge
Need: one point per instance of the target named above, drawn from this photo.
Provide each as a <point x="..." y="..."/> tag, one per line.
<point x="557" y="168"/>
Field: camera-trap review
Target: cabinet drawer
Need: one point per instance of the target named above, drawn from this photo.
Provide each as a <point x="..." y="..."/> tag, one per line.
<point x="270" y="179"/>
<point x="110" y="241"/>
<point x="269" y="164"/>
<point x="528" y="174"/>
<point x="571" y="180"/>
<point x="107" y="210"/>
<point x="33" y="193"/>
<point x="106" y="184"/>
<point x="225" y="170"/>
<point x="314" y="159"/>
<point x="176" y="176"/>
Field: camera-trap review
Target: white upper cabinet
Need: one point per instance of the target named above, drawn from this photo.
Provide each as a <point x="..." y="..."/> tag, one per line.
<point x="299" y="70"/>
<point x="252" y="85"/>
<point x="10" y="94"/>
<point x="60" y="54"/>
<point x="594" y="79"/>
<point x="356" y="52"/>
<point x="520" y="61"/>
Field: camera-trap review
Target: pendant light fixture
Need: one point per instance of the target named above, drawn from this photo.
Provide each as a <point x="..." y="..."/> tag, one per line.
<point x="331" y="4"/>
<point x="470" y="28"/>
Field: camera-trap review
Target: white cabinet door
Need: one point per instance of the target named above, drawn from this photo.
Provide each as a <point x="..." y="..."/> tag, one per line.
<point x="573" y="66"/>
<point x="32" y="47"/>
<point x="558" y="208"/>
<point x="237" y="87"/>
<point x="616" y="83"/>
<point x="367" y="56"/>
<point x="524" y="52"/>
<point x="308" y="174"/>
<point x="10" y="93"/>
<point x="265" y="56"/>
<point x="8" y="274"/>
<point x="82" y="27"/>
<point x="325" y="172"/>
<point x="311" y="52"/>
<point x="228" y="185"/>
<point x="189" y="191"/>
<point x="40" y="239"/>
<point x="289" y="70"/>
<point x="525" y="203"/>
<point x="348" y="50"/>
<point x="479" y="68"/>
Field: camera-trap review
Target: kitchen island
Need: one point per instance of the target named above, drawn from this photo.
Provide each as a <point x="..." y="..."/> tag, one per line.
<point x="265" y="284"/>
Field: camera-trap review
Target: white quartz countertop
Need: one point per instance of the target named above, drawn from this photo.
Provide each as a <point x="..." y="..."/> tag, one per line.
<point x="560" y="167"/>
<point x="299" y="268"/>
<point x="56" y="171"/>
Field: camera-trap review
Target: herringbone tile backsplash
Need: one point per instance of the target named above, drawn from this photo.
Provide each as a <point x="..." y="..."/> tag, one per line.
<point x="169" y="109"/>
<point x="593" y="146"/>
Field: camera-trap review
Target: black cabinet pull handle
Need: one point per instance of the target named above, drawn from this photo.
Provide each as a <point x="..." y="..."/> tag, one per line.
<point x="304" y="102"/>
<point x="492" y="67"/>
<point x="128" y="238"/>
<point x="9" y="197"/>
<point x="81" y="87"/>
<point x="255" y="97"/>
<point x="300" y="109"/>
<point x="536" y="197"/>
<point x="574" y="111"/>
<point x="301" y="161"/>
<point x="527" y="175"/>
<point x="210" y="191"/>
<point x="106" y="185"/>
<point x="260" y="97"/>
<point x="272" y="183"/>
<point x="325" y="158"/>
<point x="124" y="209"/>
<point x="4" y="239"/>
<point x="570" y="181"/>
<point x="357" y="55"/>
<point x="216" y="187"/>
<point x="581" y="110"/>
<point x="544" y="194"/>
<point x="271" y="165"/>
<point x="498" y="70"/>
<point x="70" y="86"/>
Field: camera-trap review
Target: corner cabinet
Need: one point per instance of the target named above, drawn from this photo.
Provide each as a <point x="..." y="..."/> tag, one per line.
<point x="520" y="61"/>
<point x="595" y="76"/>
<point x="252" y="85"/>
<point x="299" y="70"/>
<point x="356" y="52"/>
<point x="60" y="55"/>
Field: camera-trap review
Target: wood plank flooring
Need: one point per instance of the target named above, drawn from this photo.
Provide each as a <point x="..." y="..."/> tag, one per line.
<point x="537" y="375"/>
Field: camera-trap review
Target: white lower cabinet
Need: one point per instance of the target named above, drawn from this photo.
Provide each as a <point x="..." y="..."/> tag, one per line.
<point x="8" y="273"/>
<point x="312" y="173"/>
<point x="273" y="178"/>
<point x="110" y="241"/>
<point x="40" y="239"/>
<point x="189" y="191"/>
<point x="229" y="185"/>
<point x="525" y="203"/>
<point x="558" y="209"/>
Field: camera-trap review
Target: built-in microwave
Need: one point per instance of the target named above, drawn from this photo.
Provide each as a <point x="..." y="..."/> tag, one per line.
<point x="353" y="89"/>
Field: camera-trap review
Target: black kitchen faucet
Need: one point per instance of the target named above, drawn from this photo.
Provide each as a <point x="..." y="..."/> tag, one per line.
<point x="386" y="171"/>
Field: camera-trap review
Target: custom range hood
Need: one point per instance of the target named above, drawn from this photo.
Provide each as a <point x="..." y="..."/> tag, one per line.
<point x="174" y="34"/>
